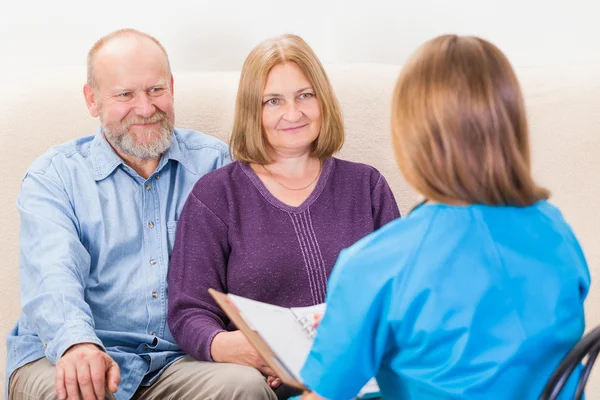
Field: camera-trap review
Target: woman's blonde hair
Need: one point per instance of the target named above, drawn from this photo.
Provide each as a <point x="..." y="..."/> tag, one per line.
<point x="248" y="142"/>
<point x="459" y="126"/>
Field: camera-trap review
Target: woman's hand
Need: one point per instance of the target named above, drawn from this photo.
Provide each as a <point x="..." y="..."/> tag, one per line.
<point x="311" y="396"/>
<point x="317" y="320"/>
<point x="274" y="382"/>
<point x="233" y="347"/>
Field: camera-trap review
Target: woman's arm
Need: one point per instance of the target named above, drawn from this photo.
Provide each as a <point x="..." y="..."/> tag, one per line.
<point x="198" y="262"/>
<point x="384" y="204"/>
<point x="311" y="396"/>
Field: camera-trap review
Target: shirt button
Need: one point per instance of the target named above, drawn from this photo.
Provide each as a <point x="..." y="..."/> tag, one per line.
<point x="156" y="177"/>
<point x="155" y="294"/>
<point x="150" y="224"/>
<point x="152" y="261"/>
<point x="148" y="187"/>
<point x="146" y="348"/>
<point x="153" y="333"/>
<point x="45" y="345"/>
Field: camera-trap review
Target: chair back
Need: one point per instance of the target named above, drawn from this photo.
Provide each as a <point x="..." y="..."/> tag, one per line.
<point x="588" y="346"/>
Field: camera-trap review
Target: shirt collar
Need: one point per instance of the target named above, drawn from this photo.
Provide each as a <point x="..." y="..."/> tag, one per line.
<point x="105" y="159"/>
<point x="419" y="205"/>
<point x="175" y="152"/>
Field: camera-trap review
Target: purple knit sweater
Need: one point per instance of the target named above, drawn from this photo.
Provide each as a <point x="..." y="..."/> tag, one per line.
<point x="233" y="235"/>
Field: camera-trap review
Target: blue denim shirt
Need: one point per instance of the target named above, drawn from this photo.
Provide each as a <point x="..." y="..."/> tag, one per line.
<point x="95" y="245"/>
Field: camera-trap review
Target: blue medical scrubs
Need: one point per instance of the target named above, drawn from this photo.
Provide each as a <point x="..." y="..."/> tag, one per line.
<point x="453" y="302"/>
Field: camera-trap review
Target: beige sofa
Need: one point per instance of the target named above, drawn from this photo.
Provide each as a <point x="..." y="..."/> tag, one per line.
<point x="45" y="108"/>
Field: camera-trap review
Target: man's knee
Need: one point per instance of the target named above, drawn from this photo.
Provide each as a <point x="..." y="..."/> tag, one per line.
<point x="189" y="379"/>
<point x="241" y="382"/>
<point x="36" y="380"/>
<point x="33" y="381"/>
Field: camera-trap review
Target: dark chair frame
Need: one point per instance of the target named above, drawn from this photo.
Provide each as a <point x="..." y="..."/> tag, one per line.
<point x="588" y="346"/>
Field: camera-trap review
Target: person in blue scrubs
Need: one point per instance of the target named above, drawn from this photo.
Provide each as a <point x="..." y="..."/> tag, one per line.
<point x="478" y="293"/>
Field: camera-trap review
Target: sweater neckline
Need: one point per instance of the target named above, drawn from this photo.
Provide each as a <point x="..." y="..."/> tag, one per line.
<point x="321" y="183"/>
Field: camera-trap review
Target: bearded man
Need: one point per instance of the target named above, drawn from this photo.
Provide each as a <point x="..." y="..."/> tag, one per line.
<point x="98" y="220"/>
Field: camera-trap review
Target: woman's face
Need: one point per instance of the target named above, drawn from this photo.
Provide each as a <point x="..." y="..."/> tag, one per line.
<point x="291" y="116"/>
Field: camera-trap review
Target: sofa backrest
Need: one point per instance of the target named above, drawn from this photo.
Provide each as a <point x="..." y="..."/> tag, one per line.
<point x="47" y="108"/>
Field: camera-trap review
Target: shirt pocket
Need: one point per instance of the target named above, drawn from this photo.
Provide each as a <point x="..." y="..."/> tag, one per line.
<point x="171" y="230"/>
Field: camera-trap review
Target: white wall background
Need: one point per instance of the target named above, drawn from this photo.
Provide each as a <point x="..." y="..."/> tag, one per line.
<point x="217" y="35"/>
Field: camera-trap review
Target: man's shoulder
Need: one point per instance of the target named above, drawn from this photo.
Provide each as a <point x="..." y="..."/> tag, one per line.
<point x="60" y="154"/>
<point x="192" y="140"/>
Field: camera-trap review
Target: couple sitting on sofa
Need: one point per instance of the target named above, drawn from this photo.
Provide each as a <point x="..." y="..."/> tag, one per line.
<point x="452" y="301"/>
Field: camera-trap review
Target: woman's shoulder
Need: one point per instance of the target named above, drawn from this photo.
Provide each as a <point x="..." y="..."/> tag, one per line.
<point x="219" y="182"/>
<point x="357" y="171"/>
<point x="382" y="260"/>
<point x="354" y="167"/>
<point x="399" y="240"/>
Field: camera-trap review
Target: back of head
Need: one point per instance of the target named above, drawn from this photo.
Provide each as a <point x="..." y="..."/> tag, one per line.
<point x="459" y="125"/>
<point x="247" y="140"/>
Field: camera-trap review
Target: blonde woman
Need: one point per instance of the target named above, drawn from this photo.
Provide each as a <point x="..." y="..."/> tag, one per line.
<point x="478" y="293"/>
<point x="271" y="225"/>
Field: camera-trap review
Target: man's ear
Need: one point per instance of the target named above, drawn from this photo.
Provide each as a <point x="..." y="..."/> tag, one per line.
<point x="172" y="87"/>
<point x="90" y="100"/>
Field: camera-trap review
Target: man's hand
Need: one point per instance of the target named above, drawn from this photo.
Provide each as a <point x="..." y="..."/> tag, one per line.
<point x="86" y="369"/>
<point x="233" y="347"/>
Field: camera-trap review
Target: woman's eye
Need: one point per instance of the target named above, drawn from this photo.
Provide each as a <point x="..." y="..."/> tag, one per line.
<point x="272" y="102"/>
<point x="306" y="96"/>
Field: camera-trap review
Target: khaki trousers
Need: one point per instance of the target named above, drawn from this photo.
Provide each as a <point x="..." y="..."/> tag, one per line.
<point x="185" y="379"/>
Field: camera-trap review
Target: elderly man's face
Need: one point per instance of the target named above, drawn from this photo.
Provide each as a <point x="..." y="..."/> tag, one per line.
<point x="133" y="97"/>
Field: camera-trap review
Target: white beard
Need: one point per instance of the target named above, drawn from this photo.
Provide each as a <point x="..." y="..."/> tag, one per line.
<point x="124" y="141"/>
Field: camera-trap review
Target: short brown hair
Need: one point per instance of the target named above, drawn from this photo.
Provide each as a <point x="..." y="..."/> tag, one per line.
<point x="459" y="126"/>
<point x="248" y="142"/>
<point x="91" y="57"/>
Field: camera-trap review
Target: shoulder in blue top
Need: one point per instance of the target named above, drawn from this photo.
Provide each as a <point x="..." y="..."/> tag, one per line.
<point x="471" y="302"/>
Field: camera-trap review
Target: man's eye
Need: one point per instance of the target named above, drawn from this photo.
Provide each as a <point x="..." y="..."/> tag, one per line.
<point x="125" y="95"/>
<point x="156" y="90"/>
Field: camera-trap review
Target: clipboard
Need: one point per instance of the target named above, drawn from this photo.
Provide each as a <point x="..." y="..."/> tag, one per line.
<point x="256" y="340"/>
